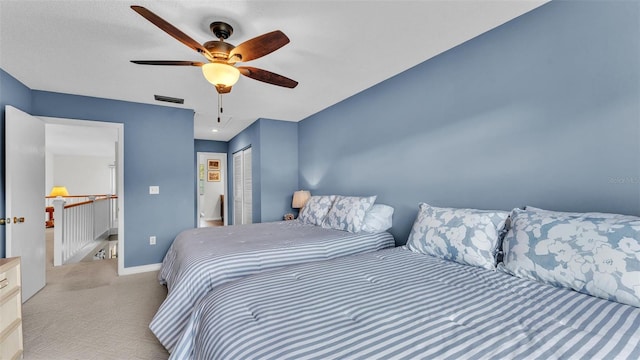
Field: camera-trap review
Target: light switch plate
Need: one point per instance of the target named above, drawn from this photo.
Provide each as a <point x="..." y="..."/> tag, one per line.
<point x="154" y="190"/>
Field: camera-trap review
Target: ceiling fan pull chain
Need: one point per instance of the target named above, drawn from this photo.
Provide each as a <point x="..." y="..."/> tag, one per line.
<point x="220" y="111"/>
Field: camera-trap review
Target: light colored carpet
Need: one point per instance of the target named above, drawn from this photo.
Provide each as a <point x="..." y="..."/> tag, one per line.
<point x="87" y="311"/>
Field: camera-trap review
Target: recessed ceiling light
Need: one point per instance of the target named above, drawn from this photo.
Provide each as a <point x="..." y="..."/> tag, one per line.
<point x="214" y="130"/>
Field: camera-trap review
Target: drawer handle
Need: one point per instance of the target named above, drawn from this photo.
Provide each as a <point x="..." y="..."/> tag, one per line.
<point x="4" y="283"/>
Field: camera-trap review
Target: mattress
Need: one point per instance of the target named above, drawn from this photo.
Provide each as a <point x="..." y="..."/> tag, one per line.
<point x="396" y="304"/>
<point x="201" y="259"/>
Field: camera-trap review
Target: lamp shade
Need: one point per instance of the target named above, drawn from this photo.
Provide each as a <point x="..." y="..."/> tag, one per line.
<point x="59" y="191"/>
<point x="220" y="73"/>
<point x="300" y="198"/>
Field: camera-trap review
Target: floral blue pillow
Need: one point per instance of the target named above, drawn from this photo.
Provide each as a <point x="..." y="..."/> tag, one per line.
<point x="466" y="236"/>
<point x="316" y="209"/>
<point x="348" y="212"/>
<point x="593" y="253"/>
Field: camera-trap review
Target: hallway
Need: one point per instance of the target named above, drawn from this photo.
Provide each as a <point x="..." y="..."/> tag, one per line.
<point x="210" y="223"/>
<point x="109" y="247"/>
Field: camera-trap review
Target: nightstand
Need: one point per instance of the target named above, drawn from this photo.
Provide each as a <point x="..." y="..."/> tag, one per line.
<point x="11" y="346"/>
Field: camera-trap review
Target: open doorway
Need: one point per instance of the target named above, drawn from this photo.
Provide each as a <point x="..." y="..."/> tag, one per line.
<point x="211" y="172"/>
<point x="87" y="156"/>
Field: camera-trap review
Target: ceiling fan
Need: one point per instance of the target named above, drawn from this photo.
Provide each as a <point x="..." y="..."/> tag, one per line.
<point x="220" y="70"/>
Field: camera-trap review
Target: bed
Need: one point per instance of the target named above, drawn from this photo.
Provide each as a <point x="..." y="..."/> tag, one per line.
<point x="441" y="296"/>
<point x="200" y="260"/>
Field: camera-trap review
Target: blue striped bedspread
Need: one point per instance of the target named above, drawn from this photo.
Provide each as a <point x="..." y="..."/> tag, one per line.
<point x="201" y="259"/>
<point x="396" y="304"/>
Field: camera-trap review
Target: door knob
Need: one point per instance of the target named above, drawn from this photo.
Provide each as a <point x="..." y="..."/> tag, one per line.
<point x="3" y="221"/>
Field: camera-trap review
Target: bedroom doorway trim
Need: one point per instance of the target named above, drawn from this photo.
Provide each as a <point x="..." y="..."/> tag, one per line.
<point x="205" y="187"/>
<point x="119" y="127"/>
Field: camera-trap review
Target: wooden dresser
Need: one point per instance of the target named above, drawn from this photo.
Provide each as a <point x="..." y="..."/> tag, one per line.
<point x="10" y="309"/>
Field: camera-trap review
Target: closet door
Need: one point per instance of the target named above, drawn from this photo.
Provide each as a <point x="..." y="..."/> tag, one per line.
<point x="247" y="188"/>
<point x="242" y="188"/>
<point x="237" y="188"/>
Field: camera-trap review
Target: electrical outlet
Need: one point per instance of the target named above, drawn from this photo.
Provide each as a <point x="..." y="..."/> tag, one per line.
<point x="152" y="240"/>
<point x="154" y="190"/>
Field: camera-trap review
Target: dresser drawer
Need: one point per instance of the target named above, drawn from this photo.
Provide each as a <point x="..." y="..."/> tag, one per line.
<point x="9" y="276"/>
<point x="10" y="309"/>
<point x="11" y="345"/>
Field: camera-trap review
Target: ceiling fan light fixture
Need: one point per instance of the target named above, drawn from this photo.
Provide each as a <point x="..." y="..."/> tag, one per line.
<point x="220" y="70"/>
<point x="221" y="74"/>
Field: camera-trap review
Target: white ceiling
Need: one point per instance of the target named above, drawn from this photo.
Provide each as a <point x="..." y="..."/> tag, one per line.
<point x="337" y="49"/>
<point x="80" y="140"/>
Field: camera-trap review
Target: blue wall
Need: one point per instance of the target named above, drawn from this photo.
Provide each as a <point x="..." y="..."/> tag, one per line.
<point x="279" y="167"/>
<point x="210" y="146"/>
<point x="158" y="150"/>
<point x="14" y="93"/>
<point x="158" y="144"/>
<point x="274" y="150"/>
<point x="542" y="111"/>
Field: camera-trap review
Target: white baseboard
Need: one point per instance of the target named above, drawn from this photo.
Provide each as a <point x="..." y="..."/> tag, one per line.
<point x="139" y="269"/>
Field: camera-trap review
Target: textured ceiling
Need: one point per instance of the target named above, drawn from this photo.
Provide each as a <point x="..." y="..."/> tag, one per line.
<point x="337" y="49"/>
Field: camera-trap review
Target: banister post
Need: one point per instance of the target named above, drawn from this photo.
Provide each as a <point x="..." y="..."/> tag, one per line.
<point x="58" y="231"/>
<point x="92" y="216"/>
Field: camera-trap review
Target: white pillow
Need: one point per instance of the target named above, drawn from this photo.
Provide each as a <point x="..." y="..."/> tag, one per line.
<point x="378" y="219"/>
<point x="347" y="213"/>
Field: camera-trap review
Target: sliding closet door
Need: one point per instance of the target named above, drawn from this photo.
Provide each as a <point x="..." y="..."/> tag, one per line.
<point x="242" y="187"/>
<point x="247" y="199"/>
<point x="237" y="188"/>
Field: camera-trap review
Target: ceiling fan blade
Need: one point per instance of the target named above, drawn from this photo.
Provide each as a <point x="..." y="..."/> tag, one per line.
<point x="172" y="30"/>
<point x="258" y="46"/>
<point x="167" y="62"/>
<point x="267" y="76"/>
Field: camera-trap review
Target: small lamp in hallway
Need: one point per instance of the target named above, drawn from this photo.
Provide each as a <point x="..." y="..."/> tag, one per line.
<point x="59" y="191"/>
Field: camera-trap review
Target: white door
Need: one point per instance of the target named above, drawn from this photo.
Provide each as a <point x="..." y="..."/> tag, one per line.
<point x="247" y="188"/>
<point x="237" y="188"/>
<point x="24" y="192"/>
<point x="242" y="188"/>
